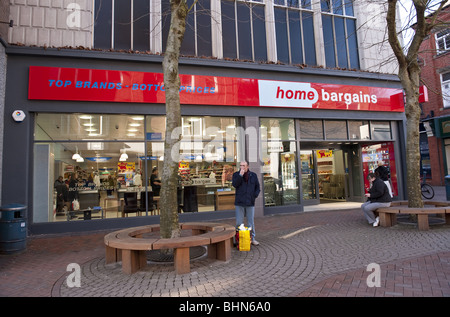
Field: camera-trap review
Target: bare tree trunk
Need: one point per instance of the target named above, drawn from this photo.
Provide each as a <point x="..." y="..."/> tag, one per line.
<point x="169" y="224"/>
<point x="409" y="75"/>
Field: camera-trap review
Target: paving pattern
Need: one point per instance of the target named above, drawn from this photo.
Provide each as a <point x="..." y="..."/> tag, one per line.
<point x="285" y="264"/>
<point x="320" y="253"/>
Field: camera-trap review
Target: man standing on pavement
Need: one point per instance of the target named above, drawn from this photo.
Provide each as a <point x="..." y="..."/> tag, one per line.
<point x="247" y="189"/>
<point x="378" y="197"/>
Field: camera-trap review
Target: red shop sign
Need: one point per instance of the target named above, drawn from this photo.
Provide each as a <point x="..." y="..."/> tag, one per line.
<point x="77" y="84"/>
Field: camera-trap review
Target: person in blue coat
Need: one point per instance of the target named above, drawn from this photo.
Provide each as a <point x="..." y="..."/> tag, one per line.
<point x="247" y="189"/>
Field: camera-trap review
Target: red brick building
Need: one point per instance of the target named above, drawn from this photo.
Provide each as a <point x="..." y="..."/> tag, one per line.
<point x="435" y="119"/>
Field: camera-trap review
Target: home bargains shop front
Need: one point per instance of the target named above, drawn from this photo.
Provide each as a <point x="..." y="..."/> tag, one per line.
<point x="311" y="135"/>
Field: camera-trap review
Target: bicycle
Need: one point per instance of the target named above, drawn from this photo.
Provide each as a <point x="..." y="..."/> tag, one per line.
<point x="427" y="189"/>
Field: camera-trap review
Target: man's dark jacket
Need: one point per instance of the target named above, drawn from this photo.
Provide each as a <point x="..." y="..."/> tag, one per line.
<point x="379" y="193"/>
<point x="246" y="192"/>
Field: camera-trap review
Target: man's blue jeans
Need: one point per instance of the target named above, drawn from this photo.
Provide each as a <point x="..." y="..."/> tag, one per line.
<point x="249" y="211"/>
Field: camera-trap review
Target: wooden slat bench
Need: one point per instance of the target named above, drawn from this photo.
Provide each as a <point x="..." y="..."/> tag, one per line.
<point x="129" y="246"/>
<point x="388" y="215"/>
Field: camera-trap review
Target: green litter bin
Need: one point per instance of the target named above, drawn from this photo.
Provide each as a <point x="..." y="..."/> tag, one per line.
<point x="13" y="229"/>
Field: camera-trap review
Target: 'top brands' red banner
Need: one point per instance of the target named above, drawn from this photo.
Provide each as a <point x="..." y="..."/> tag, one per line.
<point x="55" y="83"/>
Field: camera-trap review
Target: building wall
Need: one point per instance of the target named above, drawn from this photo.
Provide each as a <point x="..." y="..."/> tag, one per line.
<point x="433" y="65"/>
<point x="55" y="23"/>
<point x="66" y="23"/>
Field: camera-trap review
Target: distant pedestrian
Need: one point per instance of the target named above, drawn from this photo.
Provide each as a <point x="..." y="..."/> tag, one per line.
<point x="378" y="197"/>
<point x="247" y="189"/>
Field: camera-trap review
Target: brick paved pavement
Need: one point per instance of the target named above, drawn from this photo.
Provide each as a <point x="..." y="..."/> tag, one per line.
<point x="322" y="253"/>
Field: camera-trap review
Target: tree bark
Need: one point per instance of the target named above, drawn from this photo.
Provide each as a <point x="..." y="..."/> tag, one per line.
<point x="169" y="225"/>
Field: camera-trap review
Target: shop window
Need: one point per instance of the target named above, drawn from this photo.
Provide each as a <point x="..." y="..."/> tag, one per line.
<point x="207" y="158"/>
<point x="339" y="32"/>
<point x="358" y="130"/>
<point x="308" y="175"/>
<point x="51" y="126"/>
<point x="335" y="130"/>
<point x="279" y="156"/>
<point x="294" y="33"/>
<point x="93" y="182"/>
<point x="381" y="153"/>
<point x="344" y="130"/>
<point x="156" y="128"/>
<point x="243" y="30"/>
<point x="103" y="159"/>
<point x="380" y="130"/>
<point x="311" y="129"/>
<point x="277" y="129"/>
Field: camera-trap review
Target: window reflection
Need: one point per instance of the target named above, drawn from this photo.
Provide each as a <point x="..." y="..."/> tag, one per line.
<point x="57" y="126"/>
<point x="358" y="130"/>
<point x="277" y="129"/>
<point x="380" y="130"/>
<point x="335" y="130"/>
<point x="311" y="129"/>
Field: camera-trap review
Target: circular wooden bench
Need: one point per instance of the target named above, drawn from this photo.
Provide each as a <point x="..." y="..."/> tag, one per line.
<point x="129" y="245"/>
<point x="388" y="215"/>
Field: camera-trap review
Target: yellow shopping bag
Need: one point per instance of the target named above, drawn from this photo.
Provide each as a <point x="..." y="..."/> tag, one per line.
<point x="244" y="240"/>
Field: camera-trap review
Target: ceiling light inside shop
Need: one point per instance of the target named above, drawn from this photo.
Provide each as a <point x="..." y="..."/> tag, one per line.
<point x="91" y="130"/>
<point x="76" y="155"/>
<point x="88" y="124"/>
<point x="131" y="134"/>
<point x="135" y="124"/>
<point x="86" y="117"/>
<point x="80" y="159"/>
<point x="138" y="118"/>
<point x="132" y="130"/>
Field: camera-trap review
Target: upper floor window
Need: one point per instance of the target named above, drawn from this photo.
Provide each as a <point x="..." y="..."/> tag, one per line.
<point x="443" y="41"/>
<point x="294" y="29"/>
<point x="446" y="89"/>
<point x="125" y="25"/>
<point x="305" y="4"/>
<point x="244" y="30"/>
<point x="197" y="37"/>
<point x="122" y="25"/>
<point x="339" y="33"/>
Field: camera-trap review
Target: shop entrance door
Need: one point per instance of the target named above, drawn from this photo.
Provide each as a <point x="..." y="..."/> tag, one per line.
<point x="331" y="174"/>
<point x="355" y="182"/>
